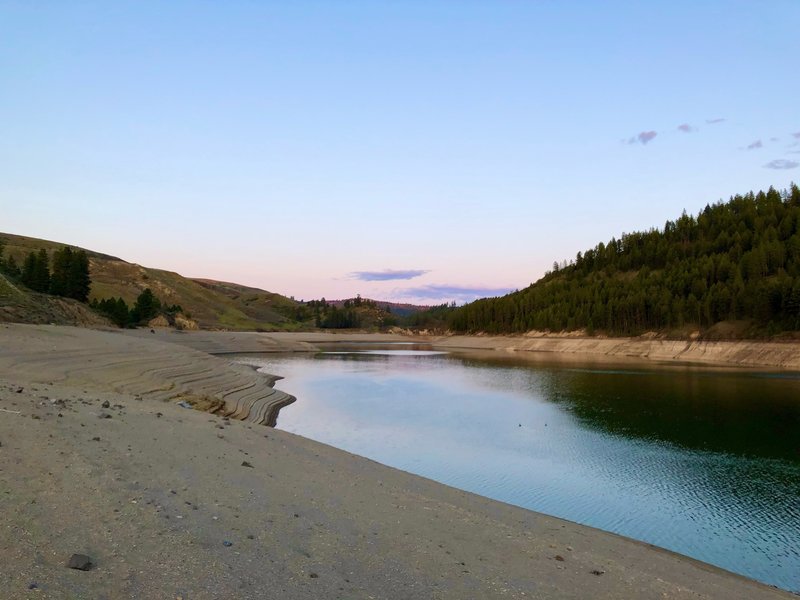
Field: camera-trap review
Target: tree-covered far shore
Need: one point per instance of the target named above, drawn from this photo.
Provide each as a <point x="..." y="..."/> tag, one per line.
<point x="734" y="261"/>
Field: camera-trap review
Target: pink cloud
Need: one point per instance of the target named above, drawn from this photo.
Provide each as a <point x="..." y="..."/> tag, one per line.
<point x="643" y="138"/>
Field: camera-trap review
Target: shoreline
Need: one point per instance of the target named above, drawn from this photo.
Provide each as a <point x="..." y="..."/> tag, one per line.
<point x="737" y="354"/>
<point x="740" y="354"/>
<point x="151" y="491"/>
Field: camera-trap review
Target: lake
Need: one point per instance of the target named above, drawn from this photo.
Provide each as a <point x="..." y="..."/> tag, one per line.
<point x="702" y="462"/>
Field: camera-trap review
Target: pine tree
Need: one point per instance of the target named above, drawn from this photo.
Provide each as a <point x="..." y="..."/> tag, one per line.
<point x="79" y="279"/>
<point x="70" y="277"/>
<point x="147" y="306"/>
<point x="59" y="280"/>
<point x="11" y="269"/>
<point x="35" y="272"/>
<point x="42" y="272"/>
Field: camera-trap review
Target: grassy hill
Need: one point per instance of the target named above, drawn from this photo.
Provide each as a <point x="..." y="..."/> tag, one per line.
<point x="731" y="271"/>
<point x="20" y="305"/>
<point x="214" y="305"/>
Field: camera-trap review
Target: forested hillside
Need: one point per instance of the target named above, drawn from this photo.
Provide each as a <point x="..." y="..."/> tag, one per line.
<point x="735" y="261"/>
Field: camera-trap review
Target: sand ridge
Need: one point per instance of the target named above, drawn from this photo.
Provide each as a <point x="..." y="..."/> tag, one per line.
<point x="139" y="366"/>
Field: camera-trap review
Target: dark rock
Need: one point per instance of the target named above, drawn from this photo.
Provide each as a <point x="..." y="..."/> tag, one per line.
<point x="227" y="544"/>
<point x="247" y="464"/>
<point x="251" y="537"/>
<point x="32" y="586"/>
<point x="597" y="572"/>
<point x="313" y="575"/>
<point x="559" y="558"/>
<point x="95" y="439"/>
<point x="106" y="404"/>
<point x="159" y="415"/>
<point x="80" y="562"/>
<point x="105" y="416"/>
<point x="19" y="390"/>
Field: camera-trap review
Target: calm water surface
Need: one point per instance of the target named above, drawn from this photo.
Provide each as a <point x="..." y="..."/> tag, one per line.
<point x="703" y="463"/>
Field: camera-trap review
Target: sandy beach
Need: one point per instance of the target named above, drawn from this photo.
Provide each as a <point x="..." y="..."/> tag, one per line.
<point x="98" y="458"/>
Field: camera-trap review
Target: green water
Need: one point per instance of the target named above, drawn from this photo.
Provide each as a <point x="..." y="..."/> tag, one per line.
<point x="705" y="463"/>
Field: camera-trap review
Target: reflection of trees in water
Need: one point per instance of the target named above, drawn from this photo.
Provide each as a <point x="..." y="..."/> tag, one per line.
<point x="739" y="413"/>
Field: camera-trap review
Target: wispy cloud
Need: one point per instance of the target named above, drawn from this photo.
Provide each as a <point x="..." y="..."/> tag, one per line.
<point x="447" y="293"/>
<point x="796" y="135"/>
<point x="686" y="128"/>
<point x="387" y="274"/>
<point x="782" y="163"/>
<point x="643" y="138"/>
<point x="754" y="145"/>
<point x="715" y="121"/>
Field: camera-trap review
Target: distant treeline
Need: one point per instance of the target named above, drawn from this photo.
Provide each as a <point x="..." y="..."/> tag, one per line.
<point x="147" y="307"/>
<point x="738" y="260"/>
<point x="355" y="313"/>
<point x="67" y="274"/>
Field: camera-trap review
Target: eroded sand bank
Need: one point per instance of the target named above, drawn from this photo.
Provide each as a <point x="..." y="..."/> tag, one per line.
<point x="772" y="355"/>
<point x="153" y="499"/>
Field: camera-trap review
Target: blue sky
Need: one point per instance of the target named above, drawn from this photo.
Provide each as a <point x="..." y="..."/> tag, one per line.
<point x="408" y="150"/>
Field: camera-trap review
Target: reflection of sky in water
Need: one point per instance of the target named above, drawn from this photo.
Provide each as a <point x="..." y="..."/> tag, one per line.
<point x="703" y="463"/>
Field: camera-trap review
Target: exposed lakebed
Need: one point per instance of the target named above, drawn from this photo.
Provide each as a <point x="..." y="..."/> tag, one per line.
<point x="702" y="462"/>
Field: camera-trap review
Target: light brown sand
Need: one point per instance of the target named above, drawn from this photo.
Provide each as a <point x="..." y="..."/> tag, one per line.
<point x="153" y="500"/>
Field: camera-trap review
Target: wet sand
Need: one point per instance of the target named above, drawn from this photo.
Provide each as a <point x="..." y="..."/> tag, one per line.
<point x="152" y="492"/>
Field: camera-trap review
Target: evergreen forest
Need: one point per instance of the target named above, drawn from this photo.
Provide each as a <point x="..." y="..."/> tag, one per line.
<point x="737" y="261"/>
<point x="66" y="275"/>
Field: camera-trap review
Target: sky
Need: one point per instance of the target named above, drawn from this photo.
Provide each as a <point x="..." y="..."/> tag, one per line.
<point x="417" y="151"/>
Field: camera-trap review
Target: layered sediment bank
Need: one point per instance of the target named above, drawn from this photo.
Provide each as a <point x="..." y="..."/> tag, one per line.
<point x="780" y="355"/>
<point x="176" y="503"/>
<point x="771" y="355"/>
<point x="142" y="367"/>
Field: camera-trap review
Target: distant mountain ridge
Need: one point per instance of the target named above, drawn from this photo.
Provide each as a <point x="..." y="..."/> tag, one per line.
<point x="399" y="309"/>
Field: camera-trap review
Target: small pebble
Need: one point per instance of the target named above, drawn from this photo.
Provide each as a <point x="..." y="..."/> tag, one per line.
<point x="80" y="562"/>
<point x="227" y="544"/>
